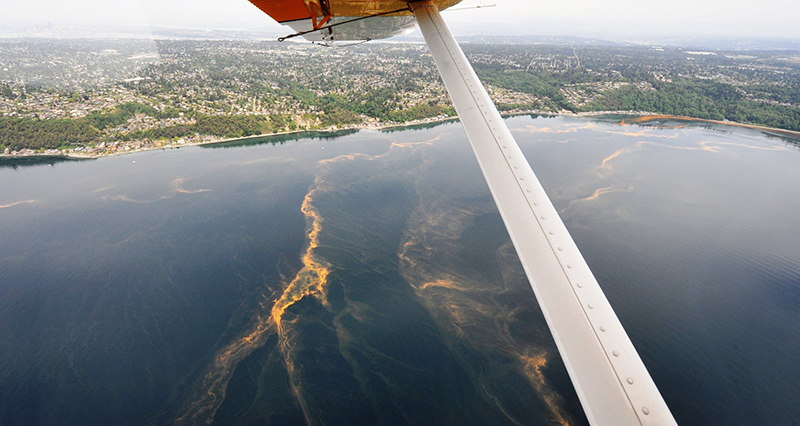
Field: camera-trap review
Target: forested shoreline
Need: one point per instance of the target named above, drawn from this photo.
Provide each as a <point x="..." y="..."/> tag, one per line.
<point x="205" y="90"/>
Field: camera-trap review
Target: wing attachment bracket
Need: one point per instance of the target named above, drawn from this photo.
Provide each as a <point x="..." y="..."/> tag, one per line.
<point x="318" y="8"/>
<point x="336" y="24"/>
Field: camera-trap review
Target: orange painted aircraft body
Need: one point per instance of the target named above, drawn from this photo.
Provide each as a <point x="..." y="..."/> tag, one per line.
<point x="293" y="10"/>
<point x="337" y="20"/>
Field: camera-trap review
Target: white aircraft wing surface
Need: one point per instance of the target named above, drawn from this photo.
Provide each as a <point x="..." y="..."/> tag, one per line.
<point x="612" y="383"/>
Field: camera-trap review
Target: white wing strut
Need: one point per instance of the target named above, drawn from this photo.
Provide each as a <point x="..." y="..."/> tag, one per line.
<point x="612" y="383"/>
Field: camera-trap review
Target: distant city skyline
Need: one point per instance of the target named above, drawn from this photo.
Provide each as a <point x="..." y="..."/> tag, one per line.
<point x="581" y="18"/>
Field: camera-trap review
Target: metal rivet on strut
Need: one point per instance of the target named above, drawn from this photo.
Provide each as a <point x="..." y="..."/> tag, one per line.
<point x="645" y="410"/>
<point x="629" y="380"/>
<point x="615" y="353"/>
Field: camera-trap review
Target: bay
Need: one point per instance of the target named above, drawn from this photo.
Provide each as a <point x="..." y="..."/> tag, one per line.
<point x="367" y="278"/>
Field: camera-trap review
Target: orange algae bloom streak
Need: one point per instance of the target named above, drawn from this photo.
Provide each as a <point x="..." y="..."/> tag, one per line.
<point x="311" y="279"/>
<point x="533" y="366"/>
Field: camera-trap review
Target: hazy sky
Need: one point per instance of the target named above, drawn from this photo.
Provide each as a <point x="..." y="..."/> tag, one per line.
<point x="766" y="18"/>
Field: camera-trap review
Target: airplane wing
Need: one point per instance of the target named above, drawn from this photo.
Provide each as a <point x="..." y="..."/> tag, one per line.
<point x="609" y="377"/>
<point x="333" y="20"/>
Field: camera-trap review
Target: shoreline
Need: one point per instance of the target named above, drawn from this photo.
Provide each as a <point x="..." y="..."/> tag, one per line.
<point x="636" y="118"/>
<point x="174" y="145"/>
<point x="653" y="117"/>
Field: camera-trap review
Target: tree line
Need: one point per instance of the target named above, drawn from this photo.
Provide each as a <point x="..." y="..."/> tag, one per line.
<point x="699" y="99"/>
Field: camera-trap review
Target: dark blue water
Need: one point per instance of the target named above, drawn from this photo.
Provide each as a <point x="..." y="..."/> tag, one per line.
<point x="368" y="279"/>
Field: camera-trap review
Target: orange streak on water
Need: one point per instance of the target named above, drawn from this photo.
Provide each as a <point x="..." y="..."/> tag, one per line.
<point x="338" y="158"/>
<point x="646" y="118"/>
<point x="414" y="144"/>
<point x="311" y="280"/>
<point x="443" y="283"/>
<point x="5" y="206"/>
<point x="202" y="407"/>
<point x="177" y="186"/>
<point x="532" y="366"/>
<point x="605" y="164"/>
<point x="597" y="193"/>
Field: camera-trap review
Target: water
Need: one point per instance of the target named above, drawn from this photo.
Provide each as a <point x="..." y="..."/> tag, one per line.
<point x="368" y="279"/>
